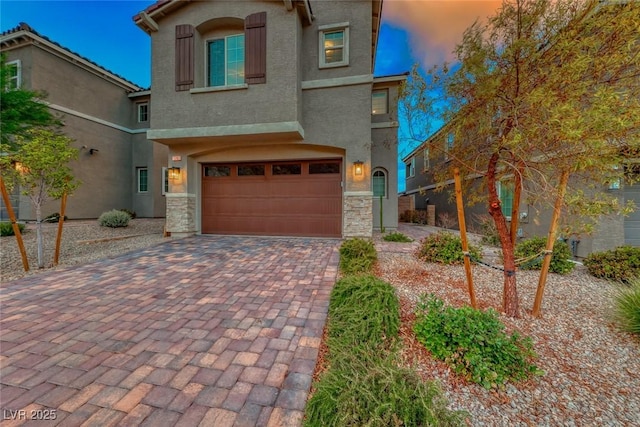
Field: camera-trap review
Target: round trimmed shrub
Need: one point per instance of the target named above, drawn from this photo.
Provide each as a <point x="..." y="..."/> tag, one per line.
<point x="560" y="257"/>
<point x="621" y="264"/>
<point x="114" y="219"/>
<point x="445" y="248"/>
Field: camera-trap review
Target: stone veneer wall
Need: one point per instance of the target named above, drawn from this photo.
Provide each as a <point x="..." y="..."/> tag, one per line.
<point x="181" y="213"/>
<point x="358" y="216"/>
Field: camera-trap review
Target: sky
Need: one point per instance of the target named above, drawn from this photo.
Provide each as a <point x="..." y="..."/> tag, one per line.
<point x="412" y="31"/>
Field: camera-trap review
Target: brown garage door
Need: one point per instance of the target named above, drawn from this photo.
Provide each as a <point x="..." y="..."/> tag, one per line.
<point x="300" y="198"/>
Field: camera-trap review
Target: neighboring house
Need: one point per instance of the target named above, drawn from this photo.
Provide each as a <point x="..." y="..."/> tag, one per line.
<point x="106" y="116"/>
<point x="612" y="231"/>
<point x="274" y="122"/>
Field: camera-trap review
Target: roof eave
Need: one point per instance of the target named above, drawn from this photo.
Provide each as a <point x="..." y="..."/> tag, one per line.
<point x="13" y="40"/>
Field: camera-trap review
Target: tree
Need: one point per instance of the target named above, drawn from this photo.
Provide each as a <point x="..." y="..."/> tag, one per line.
<point x="43" y="155"/>
<point x="20" y="109"/>
<point x="543" y="89"/>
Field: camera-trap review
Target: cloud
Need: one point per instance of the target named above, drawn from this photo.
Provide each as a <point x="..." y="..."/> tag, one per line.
<point x="436" y="26"/>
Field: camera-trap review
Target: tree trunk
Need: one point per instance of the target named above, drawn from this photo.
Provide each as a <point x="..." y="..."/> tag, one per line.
<point x="39" y="237"/>
<point x="510" y="292"/>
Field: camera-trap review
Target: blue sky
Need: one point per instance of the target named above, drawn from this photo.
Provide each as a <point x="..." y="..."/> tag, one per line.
<point x="422" y="31"/>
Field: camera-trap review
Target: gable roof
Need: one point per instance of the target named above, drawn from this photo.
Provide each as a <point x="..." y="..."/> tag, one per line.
<point x="24" y="34"/>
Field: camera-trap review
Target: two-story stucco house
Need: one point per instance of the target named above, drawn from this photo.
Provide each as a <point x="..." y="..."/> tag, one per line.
<point x="107" y="117"/>
<point x="274" y="122"/>
<point x="533" y="220"/>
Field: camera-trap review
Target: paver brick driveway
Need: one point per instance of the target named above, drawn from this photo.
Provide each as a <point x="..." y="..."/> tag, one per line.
<point x="207" y="330"/>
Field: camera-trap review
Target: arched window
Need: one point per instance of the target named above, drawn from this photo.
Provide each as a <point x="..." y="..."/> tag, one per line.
<point x="379" y="183"/>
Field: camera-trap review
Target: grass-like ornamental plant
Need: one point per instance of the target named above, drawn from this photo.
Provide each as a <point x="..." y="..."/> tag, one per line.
<point x="364" y="311"/>
<point x="6" y="229"/>
<point x="445" y="248"/>
<point x="364" y="384"/>
<point x="626" y="311"/>
<point x="376" y="392"/>
<point x="397" y="237"/>
<point x="560" y="257"/>
<point x="114" y="219"/>
<point x="357" y="256"/>
<point x="474" y="343"/>
<point x="621" y="264"/>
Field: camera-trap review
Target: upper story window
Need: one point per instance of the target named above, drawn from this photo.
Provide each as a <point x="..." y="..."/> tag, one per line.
<point x="426" y="163"/>
<point x="379" y="102"/>
<point x="334" y="45"/>
<point x="228" y="55"/>
<point x="448" y="145"/>
<point x="143" y="112"/>
<point x="411" y="168"/>
<point x="225" y="61"/>
<point x="14" y="78"/>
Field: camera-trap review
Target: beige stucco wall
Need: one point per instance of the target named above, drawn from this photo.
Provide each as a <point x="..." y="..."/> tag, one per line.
<point x="333" y="113"/>
<point x="275" y="101"/>
<point x="96" y="114"/>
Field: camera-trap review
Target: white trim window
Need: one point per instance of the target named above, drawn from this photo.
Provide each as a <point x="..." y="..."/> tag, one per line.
<point x="14" y="79"/>
<point x="379" y="183"/>
<point x="448" y="145"/>
<point x="143" y="112"/>
<point x="379" y="101"/>
<point x="142" y="179"/>
<point x="225" y="61"/>
<point x="425" y="158"/>
<point x="165" y="180"/>
<point x="334" y="45"/>
<point x="411" y="168"/>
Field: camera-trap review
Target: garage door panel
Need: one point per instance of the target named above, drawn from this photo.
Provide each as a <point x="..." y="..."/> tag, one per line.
<point x="296" y="205"/>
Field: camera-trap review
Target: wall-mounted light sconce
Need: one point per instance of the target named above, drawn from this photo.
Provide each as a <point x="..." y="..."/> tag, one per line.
<point x="174" y="172"/>
<point x="93" y="150"/>
<point x="358" y="167"/>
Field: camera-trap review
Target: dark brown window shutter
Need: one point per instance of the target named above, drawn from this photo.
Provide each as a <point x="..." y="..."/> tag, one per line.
<point x="255" y="48"/>
<point x="184" y="57"/>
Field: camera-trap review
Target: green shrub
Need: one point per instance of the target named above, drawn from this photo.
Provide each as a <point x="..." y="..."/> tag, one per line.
<point x="364" y="384"/>
<point x="560" y="258"/>
<point x="54" y="217"/>
<point x="445" y="248"/>
<point x="6" y="229"/>
<point x="364" y="311"/>
<point x="378" y="393"/>
<point x="626" y="312"/>
<point x="620" y="264"/>
<point x="396" y="237"/>
<point x="357" y="256"/>
<point x="114" y="219"/>
<point x="474" y="343"/>
<point x="132" y="214"/>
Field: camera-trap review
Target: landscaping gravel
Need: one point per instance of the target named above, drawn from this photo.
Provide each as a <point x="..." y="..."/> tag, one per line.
<point x="591" y="369"/>
<point x="82" y="241"/>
